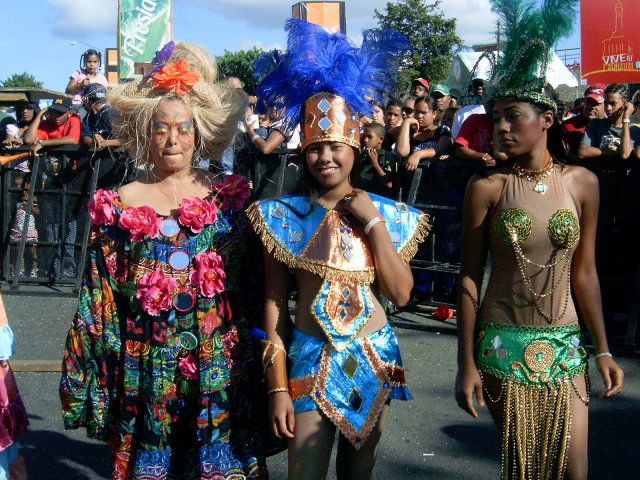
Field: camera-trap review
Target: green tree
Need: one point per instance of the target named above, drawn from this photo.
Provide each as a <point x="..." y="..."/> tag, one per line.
<point x="238" y="64"/>
<point x="23" y="79"/>
<point x="433" y="39"/>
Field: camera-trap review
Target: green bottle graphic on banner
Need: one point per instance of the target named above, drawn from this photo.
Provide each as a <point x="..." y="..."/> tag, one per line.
<point x="144" y="26"/>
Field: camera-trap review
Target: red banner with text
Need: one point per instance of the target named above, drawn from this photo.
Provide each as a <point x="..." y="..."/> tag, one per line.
<point x="610" y="31"/>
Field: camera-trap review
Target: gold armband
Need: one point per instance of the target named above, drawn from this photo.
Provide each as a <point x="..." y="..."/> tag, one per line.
<point x="277" y="389"/>
<point x="274" y="365"/>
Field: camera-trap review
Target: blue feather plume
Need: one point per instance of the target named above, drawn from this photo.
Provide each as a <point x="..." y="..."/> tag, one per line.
<point x="317" y="61"/>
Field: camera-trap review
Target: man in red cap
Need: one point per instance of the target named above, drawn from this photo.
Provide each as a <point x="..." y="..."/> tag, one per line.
<point x="573" y="128"/>
<point x="419" y="87"/>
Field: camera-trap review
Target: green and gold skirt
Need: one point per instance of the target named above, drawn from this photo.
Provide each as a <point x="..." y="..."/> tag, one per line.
<point x="537" y="365"/>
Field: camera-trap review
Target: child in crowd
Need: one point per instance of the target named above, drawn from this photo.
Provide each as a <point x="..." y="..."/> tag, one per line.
<point x="22" y="217"/>
<point x="393" y="114"/>
<point x="419" y="137"/>
<point x="13" y="416"/>
<point x="88" y="73"/>
<point x="96" y="126"/>
<point x="376" y="173"/>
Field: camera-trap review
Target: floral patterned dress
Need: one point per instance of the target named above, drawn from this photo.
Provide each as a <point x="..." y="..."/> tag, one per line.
<point x="159" y="360"/>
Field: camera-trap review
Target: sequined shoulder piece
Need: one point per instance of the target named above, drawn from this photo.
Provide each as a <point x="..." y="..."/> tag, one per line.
<point x="408" y="226"/>
<point x="314" y="239"/>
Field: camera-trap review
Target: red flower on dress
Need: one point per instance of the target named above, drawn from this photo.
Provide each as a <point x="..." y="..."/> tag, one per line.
<point x="141" y="222"/>
<point x="196" y="213"/>
<point x="116" y="266"/>
<point x="189" y="367"/>
<point x="209" y="274"/>
<point x="155" y="292"/>
<point x="101" y="207"/>
<point x="234" y="191"/>
<point x="176" y="76"/>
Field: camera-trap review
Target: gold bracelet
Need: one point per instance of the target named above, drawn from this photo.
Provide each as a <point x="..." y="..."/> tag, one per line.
<point x="277" y="389"/>
<point x="270" y="350"/>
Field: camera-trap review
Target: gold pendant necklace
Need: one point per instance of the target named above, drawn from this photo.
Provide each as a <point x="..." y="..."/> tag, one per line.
<point x="536" y="176"/>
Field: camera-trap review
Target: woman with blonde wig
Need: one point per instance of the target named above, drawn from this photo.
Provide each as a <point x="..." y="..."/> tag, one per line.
<point x="159" y="359"/>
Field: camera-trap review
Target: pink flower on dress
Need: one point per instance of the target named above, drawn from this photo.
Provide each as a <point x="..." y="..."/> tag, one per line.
<point x="101" y="207"/>
<point x="233" y="191"/>
<point x="196" y="213"/>
<point x="155" y="292"/>
<point x="209" y="274"/>
<point x="189" y="367"/>
<point x="141" y="222"/>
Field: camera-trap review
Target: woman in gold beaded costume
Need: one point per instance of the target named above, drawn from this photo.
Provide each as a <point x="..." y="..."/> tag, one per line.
<point x="520" y="347"/>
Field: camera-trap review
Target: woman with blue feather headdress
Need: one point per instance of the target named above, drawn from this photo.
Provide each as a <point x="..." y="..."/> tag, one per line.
<point x="344" y="360"/>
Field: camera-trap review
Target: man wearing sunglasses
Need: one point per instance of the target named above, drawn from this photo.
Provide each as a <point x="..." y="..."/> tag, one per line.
<point x="407" y="107"/>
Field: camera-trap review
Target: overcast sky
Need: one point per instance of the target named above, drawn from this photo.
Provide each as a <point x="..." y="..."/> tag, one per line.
<point x="37" y="33"/>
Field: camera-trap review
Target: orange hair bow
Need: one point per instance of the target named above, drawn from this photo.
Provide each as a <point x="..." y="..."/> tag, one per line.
<point x="175" y="76"/>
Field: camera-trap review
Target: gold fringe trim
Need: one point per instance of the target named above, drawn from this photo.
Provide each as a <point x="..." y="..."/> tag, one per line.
<point x="536" y="430"/>
<point x="259" y="225"/>
<point x="421" y="233"/>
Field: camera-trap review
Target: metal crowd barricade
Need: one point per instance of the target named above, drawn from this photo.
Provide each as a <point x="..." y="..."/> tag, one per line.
<point x="53" y="227"/>
<point x="436" y="187"/>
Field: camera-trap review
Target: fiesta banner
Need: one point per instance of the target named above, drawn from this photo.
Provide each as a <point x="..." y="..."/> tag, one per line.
<point x="144" y="26"/>
<point x="610" y="31"/>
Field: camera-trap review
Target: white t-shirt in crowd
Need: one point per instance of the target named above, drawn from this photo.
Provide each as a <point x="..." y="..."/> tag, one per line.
<point x="462" y="114"/>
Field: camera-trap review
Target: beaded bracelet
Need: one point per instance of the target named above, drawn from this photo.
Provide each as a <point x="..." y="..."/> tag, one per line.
<point x="604" y="354"/>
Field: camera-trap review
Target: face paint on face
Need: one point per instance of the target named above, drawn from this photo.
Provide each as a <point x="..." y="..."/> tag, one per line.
<point x="173" y="136"/>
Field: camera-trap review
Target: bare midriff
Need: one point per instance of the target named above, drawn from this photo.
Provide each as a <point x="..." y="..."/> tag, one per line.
<point x="308" y="286"/>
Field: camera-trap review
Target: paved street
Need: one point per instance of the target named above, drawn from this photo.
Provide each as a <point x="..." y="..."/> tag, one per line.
<point x="428" y="437"/>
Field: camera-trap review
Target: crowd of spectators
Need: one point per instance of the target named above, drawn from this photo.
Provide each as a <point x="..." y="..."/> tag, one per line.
<point x="427" y="123"/>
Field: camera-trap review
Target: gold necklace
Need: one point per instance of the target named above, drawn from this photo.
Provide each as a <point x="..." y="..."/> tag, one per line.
<point x="535" y="176"/>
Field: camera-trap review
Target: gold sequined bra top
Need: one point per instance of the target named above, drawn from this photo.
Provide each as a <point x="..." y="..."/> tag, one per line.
<point x="543" y="261"/>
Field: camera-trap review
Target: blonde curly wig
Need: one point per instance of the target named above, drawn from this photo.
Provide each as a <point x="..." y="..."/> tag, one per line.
<point x="216" y="108"/>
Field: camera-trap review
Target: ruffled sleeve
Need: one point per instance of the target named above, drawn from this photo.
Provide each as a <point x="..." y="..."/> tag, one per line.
<point x="408" y="226"/>
<point x="91" y="358"/>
